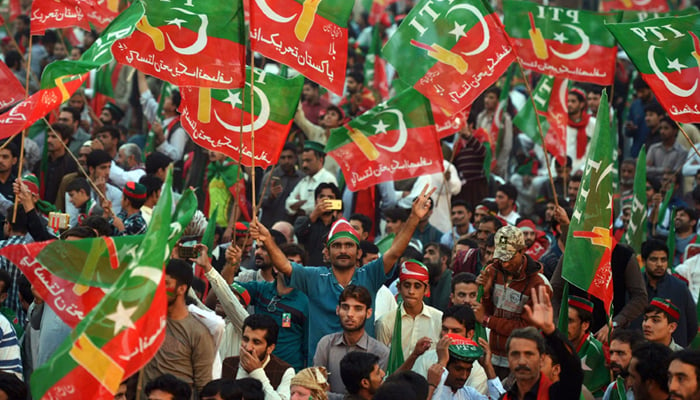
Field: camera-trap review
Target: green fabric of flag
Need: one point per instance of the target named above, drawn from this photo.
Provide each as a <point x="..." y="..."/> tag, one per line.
<point x="479" y="329"/>
<point x="619" y="392"/>
<point x="695" y="343"/>
<point x="663" y="208"/>
<point x="208" y="236"/>
<point x="671" y="241"/>
<point x="586" y="262"/>
<point x="396" y="349"/>
<point x="636" y="232"/>
<point x="563" y="322"/>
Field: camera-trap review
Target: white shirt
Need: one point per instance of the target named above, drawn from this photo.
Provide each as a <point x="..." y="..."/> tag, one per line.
<point x="119" y="176"/>
<point x="477" y="379"/>
<point x="443" y="392"/>
<point x="235" y="315"/>
<point x="572" y="143"/>
<point x="175" y="141"/>
<point x="510" y="218"/>
<point x="282" y="392"/>
<point x="304" y="190"/>
<point x="426" y="324"/>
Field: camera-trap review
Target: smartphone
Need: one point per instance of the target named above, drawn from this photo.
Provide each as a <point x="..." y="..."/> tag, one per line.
<point x="187" y="250"/>
<point x="276" y="181"/>
<point x="335" y="204"/>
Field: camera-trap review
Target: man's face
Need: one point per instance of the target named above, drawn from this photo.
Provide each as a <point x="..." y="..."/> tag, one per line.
<point x="656" y="264"/>
<point x="432" y="257"/>
<point x="576" y="328"/>
<point x="634" y="380"/>
<point x="309" y="93"/>
<point x="325" y="194"/>
<point x="513" y="265"/>
<point x="529" y="235"/>
<point x="357" y="225"/>
<point x="82" y="155"/>
<point x="488" y="254"/>
<point x="549" y="369"/>
<point x="123" y="160"/>
<point x="478" y="214"/>
<point x="101" y="171"/>
<point x="310" y="164"/>
<point x="77" y="198"/>
<point x="458" y="372"/>
<point x="620" y="356"/>
<point x="173" y="290"/>
<point x="76" y="101"/>
<point x="376" y="378"/>
<point x="573" y="105"/>
<point x="412" y="291"/>
<point x="524" y="359"/>
<point x="53" y="142"/>
<point x="491" y="101"/>
<point x="652" y="119"/>
<point x="343" y="253"/>
<point x="107" y="141"/>
<point x="682" y="381"/>
<point x="253" y="341"/>
<point x="6" y="160"/>
<point x="464" y="293"/>
<point x="331" y="119"/>
<point x="549" y="212"/>
<point x="106" y="117"/>
<point x="368" y="258"/>
<point x="59" y="51"/>
<point x="657" y="328"/>
<point x="158" y="394"/>
<point x="682" y="221"/>
<point x="351" y="84"/>
<point x="393" y="225"/>
<point x="262" y="258"/>
<point x="643" y="93"/>
<point x="121" y="392"/>
<point x="485" y="230"/>
<point x="503" y="202"/>
<point x="451" y="325"/>
<point x="593" y="102"/>
<point x="627" y="174"/>
<point x="666" y="131"/>
<point x="572" y="188"/>
<point x="287" y="160"/>
<point x="65" y="117"/>
<point x="460" y="216"/>
<point x="352" y="315"/>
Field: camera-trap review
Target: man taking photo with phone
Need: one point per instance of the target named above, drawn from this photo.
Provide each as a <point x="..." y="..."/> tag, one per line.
<point x="312" y="230"/>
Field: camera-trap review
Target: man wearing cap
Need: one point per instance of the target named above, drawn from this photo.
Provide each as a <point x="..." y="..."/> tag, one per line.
<point x="413" y="318"/>
<point x="111" y="114"/>
<point x="323" y="286"/>
<point x="595" y="375"/>
<point x="660" y="321"/>
<point x="507" y="283"/>
<point x="129" y="221"/>
<point x="447" y="383"/>
<point x="301" y="199"/>
<point x="579" y="129"/>
<point x="536" y="241"/>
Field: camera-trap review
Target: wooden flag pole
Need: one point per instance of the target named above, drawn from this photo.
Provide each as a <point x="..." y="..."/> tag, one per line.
<point x="24" y="132"/>
<point x="252" y="134"/>
<point x="680" y="127"/>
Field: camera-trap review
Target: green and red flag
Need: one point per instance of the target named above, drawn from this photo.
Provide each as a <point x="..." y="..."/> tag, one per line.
<point x="550" y="97"/>
<point x="636" y="232"/>
<point x="224" y="123"/>
<point x="562" y="42"/>
<point x="376" y="9"/>
<point x="482" y="135"/>
<point x="310" y="36"/>
<point x="666" y="51"/>
<point x="188" y="43"/>
<point x="590" y="241"/>
<point x="375" y="65"/>
<point x="50" y="14"/>
<point x="15" y="9"/>
<point x="641" y="16"/>
<point x="634" y="5"/>
<point x="106" y="79"/>
<point x="103" y="12"/>
<point x="166" y="90"/>
<point x="11" y="91"/>
<point x="695" y="344"/>
<point x="395" y="140"/>
<point x="450" y="51"/>
<point x="124" y="331"/>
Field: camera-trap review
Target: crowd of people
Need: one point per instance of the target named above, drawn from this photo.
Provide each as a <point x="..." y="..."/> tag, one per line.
<point x="445" y="286"/>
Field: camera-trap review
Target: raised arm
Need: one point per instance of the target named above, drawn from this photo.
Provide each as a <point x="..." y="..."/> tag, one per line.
<point x="279" y="260"/>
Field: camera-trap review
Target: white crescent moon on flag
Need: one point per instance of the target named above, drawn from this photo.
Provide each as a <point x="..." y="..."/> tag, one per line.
<point x="641" y="2"/>
<point x="259" y="122"/>
<point x="487" y="34"/>
<point x="585" y="45"/>
<point x="669" y="85"/>
<point x="201" y="41"/>
<point x="270" y="13"/>
<point x="403" y="133"/>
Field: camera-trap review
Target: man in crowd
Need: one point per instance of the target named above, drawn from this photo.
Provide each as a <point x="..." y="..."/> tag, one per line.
<point x="622" y="341"/>
<point x="648" y="371"/>
<point x="595" y="376"/>
<point x="684" y="375"/>
<point x="279" y="182"/>
<point x="361" y="375"/>
<point x="660" y="321"/>
<point x="301" y="200"/>
<point x="437" y="257"/>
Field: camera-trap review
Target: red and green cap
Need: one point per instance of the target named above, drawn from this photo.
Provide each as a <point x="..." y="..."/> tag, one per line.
<point x="666" y="306"/>
<point x="581" y="303"/>
<point x="242" y="228"/>
<point x="414" y="269"/>
<point x="527" y="225"/>
<point x="342" y="229"/>
<point x="464" y="349"/>
<point x="242" y="293"/>
<point x="135" y="191"/>
<point x="32" y="183"/>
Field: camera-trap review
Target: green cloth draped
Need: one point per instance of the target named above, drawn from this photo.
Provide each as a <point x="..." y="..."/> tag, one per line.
<point x="396" y="353"/>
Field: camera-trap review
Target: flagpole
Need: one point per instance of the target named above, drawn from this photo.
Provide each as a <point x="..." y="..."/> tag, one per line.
<point x="252" y="132"/>
<point x="680" y="127"/>
<point x="12" y="38"/>
<point x="24" y="132"/>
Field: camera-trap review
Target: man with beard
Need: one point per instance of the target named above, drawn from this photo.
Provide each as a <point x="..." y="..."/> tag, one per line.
<point x="361" y="375"/>
<point x="301" y="200"/>
<point x="280" y="181"/>
<point x="59" y="163"/>
<point x="108" y="135"/>
<point x="263" y="268"/>
<point x="659" y="283"/>
<point x="622" y="342"/>
<point x="589" y="349"/>
<point x="128" y="166"/>
<point x="188" y="349"/>
<point x="311" y="230"/>
<point x="684" y="375"/>
<point x="627" y="172"/>
<point x="331" y="117"/>
<point x="437" y="257"/>
<point x="359" y="98"/>
<point x="324" y="286"/>
<point x="354" y="308"/>
<point x="461" y="215"/>
<point x="311" y="101"/>
<point x="111" y="114"/>
<point x="536" y="241"/>
<point x="686" y="219"/>
<point x="648" y="371"/>
<point x="579" y="130"/>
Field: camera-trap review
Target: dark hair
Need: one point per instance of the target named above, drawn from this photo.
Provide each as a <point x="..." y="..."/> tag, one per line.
<point x="509" y="190"/>
<point x="656" y="310"/>
<point x="461" y="203"/>
<point x="170" y="384"/>
<point x="468" y="242"/>
<point x="311" y="83"/>
<point x="181" y="271"/>
<point x="356" y="366"/>
<point x="669" y="121"/>
<point x="263" y="322"/>
<point x="112" y="130"/>
<point x="584" y="316"/>
<point x="630" y="336"/>
<point x="78" y="184"/>
<point x="291" y="147"/>
<point x="176" y="99"/>
<point x="493" y="89"/>
<point x="639" y="83"/>
<point x="293" y="249"/>
<point x="690" y="357"/>
<point x="368" y="247"/>
<point x="251" y="389"/>
<point x="227" y="389"/>
<point x="396" y="214"/>
<point x="652" y="363"/>
<point x="491" y="218"/>
<point x="463" y="314"/>
<point x="412" y="252"/>
<point x="442" y="249"/>
<point x="24" y="287"/>
<point x="365" y="221"/>
<point x="654" y="182"/>
<point x="82" y="232"/>
<point x="152" y="184"/>
<point x="156" y="161"/>
<point x="13" y="387"/>
<point x="13" y="59"/>
<point x="337" y="110"/>
<point x="653" y="245"/>
<point x="575" y="178"/>
<point x="692" y="214"/>
<point x="416" y="384"/>
<point x="97" y="158"/>
<point x="63" y="130"/>
<point x="655" y="108"/>
<point x="463" y="277"/>
<point x="5" y="278"/>
<point x="359" y="293"/>
<point x="12" y="148"/>
<point x="528" y="333"/>
<point x="595" y="89"/>
<point x="579" y="95"/>
<point x="278" y="237"/>
<point x="99" y="224"/>
<point x="74" y="111"/>
<point x="327" y="185"/>
<point x="358" y="76"/>
<point x="491" y="240"/>
<point x="19" y="225"/>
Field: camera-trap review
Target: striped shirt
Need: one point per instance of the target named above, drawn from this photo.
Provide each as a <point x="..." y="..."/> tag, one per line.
<point x="12" y="301"/>
<point x="10" y="360"/>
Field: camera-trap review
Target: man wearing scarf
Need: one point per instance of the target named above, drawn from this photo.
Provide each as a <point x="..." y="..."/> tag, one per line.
<point x="580" y="128"/>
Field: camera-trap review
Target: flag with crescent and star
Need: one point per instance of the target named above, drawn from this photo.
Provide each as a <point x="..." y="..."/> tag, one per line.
<point x="11" y="91"/>
<point x="450" y="51"/>
<point x="310" y="36"/>
<point x="375" y="65"/>
<point x="395" y="140"/>
<point x="124" y="331"/>
<point x="562" y="42"/>
<point x="550" y="96"/>
<point x="197" y="43"/>
<point x="224" y="123"/>
<point x="666" y="52"/>
<point x="589" y="242"/>
<point x="636" y="232"/>
<point x="636" y="5"/>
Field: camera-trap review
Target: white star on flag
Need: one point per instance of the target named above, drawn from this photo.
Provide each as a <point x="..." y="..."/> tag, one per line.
<point x="233" y="98"/>
<point x="675" y="65"/>
<point x="458" y="31"/>
<point x="175" y="21"/>
<point x="122" y="317"/>
<point x="559" y="37"/>
<point x="380" y="127"/>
